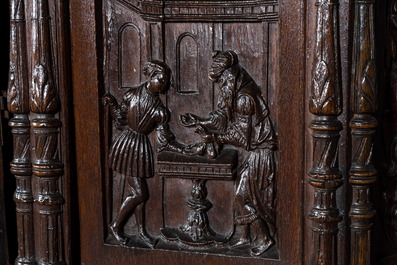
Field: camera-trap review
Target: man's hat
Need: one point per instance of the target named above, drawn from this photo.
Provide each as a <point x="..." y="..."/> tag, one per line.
<point x="156" y="65"/>
<point x="222" y="60"/>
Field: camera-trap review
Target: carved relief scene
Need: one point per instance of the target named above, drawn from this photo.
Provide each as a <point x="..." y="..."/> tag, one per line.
<point x="190" y="126"/>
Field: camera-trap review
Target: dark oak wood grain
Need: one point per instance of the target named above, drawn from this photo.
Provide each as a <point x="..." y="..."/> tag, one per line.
<point x="46" y="165"/>
<point x="390" y="186"/>
<point x="325" y="104"/>
<point x="364" y="102"/>
<point x="203" y="132"/>
<point x="156" y="255"/>
<point x="18" y="104"/>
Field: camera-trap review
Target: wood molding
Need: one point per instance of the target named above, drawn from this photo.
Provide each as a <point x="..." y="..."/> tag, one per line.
<point x="160" y="10"/>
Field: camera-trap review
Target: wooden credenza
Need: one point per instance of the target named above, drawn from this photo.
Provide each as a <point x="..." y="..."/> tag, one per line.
<point x="200" y="132"/>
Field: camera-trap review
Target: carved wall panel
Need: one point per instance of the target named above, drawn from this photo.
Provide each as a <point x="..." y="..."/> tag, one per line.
<point x="186" y="187"/>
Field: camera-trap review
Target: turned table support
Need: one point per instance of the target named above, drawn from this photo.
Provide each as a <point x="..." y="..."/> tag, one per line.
<point x="196" y="231"/>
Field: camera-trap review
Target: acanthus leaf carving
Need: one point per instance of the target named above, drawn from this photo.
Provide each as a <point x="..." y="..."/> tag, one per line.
<point x="44" y="97"/>
<point x="47" y="168"/>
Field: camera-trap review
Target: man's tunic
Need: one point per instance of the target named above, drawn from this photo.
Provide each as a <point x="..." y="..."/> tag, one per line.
<point x="131" y="153"/>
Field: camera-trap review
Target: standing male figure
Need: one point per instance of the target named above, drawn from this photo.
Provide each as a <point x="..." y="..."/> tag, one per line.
<point x="242" y="119"/>
<point x="140" y="112"/>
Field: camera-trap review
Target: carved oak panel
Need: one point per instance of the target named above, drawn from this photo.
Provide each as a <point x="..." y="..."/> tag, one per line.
<point x="154" y="183"/>
<point x="230" y="132"/>
<point x="191" y="39"/>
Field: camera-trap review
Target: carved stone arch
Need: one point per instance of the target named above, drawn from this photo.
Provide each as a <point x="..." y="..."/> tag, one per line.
<point x="187" y="61"/>
<point x="129" y="55"/>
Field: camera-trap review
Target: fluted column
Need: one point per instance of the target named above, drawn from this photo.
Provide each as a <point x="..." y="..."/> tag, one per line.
<point x="325" y="104"/>
<point x="363" y="126"/>
<point x="18" y="104"/>
<point x="45" y="125"/>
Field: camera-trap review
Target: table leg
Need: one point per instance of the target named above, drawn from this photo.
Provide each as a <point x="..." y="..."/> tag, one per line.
<point x="197" y="225"/>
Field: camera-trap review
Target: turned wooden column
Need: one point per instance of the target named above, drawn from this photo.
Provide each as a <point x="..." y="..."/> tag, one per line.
<point x="45" y="125"/>
<point x="18" y="104"/>
<point x="325" y="104"/>
<point x="363" y="126"/>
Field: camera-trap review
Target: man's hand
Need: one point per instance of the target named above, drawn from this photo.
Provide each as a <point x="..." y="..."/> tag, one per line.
<point x="206" y="136"/>
<point x="188" y="120"/>
<point x="108" y="99"/>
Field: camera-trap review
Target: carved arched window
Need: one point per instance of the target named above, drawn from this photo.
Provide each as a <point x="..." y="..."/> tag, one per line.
<point x="187" y="64"/>
<point x="129" y="55"/>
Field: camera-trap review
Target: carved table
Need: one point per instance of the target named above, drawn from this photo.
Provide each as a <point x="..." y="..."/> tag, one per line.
<point x="196" y="232"/>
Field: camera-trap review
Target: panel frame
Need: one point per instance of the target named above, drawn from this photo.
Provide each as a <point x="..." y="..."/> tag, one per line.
<point x="88" y="86"/>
